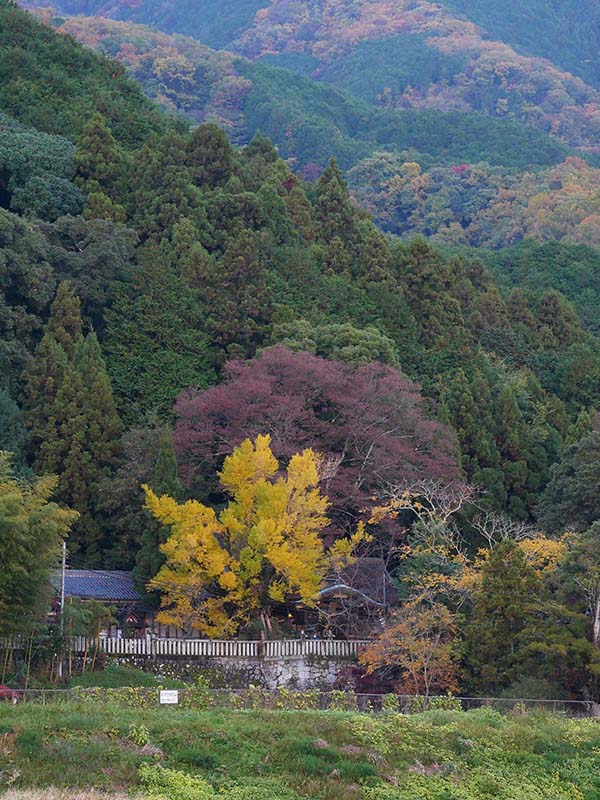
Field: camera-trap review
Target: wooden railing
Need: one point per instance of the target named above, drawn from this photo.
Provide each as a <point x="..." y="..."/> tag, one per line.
<point x="216" y="648"/>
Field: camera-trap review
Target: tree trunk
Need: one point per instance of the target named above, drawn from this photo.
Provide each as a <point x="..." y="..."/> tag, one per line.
<point x="596" y="634"/>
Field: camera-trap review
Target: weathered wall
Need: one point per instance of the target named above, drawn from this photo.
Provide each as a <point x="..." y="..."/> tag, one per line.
<point x="304" y="672"/>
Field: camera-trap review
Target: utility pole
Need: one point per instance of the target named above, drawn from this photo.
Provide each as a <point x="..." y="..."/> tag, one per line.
<point x="62" y="606"/>
<point x="62" y="589"/>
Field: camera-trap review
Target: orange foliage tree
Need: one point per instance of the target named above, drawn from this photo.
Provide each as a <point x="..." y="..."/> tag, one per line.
<point x="419" y="645"/>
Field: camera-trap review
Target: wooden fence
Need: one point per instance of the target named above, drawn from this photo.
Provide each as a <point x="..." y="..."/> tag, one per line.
<point x="151" y="647"/>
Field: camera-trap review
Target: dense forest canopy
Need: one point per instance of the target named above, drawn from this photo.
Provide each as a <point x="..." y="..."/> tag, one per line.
<point x="487" y="174"/>
<point x="168" y="295"/>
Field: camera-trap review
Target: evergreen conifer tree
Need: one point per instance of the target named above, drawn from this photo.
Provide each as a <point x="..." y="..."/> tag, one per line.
<point x="333" y="208"/>
<point x="210" y="156"/>
<point x="238" y="299"/>
<point x="13" y="436"/>
<point x="156" y="341"/>
<point x="98" y="158"/>
<point x="72" y="419"/>
<point x="44" y="377"/>
<point x="100" y="168"/>
<point x="500" y="613"/>
<point x="65" y="325"/>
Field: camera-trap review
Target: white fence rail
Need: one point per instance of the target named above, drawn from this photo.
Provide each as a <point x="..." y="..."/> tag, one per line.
<point x="215" y="648"/>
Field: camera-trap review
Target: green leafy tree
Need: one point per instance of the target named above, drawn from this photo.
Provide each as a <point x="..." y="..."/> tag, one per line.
<point x="337" y="341"/>
<point x="32" y="528"/>
<point x="13" y="435"/>
<point x="27" y="289"/>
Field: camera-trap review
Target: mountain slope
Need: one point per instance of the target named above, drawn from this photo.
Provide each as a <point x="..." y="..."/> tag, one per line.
<point x="307" y="120"/>
<point x="482" y="75"/>
<point x="42" y="84"/>
<point x="405" y="55"/>
<point x="567" y="32"/>
<point x="466" y="191"/>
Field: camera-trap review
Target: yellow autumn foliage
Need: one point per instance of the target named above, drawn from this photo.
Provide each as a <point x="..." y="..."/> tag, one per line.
<point x="265" y="546"/>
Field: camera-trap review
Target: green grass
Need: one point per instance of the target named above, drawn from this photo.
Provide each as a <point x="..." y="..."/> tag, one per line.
<point x="479" y="755"/>
<point x="115" y="677"/>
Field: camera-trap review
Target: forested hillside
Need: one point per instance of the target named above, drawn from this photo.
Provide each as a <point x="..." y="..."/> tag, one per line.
<point x="457" y="177"/>
<point x="406" y="55"/>
<point x="567" y="32"/>
<point x="166" y="294"/>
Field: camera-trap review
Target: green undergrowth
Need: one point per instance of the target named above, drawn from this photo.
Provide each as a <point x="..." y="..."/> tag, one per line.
<point x="179" y="754"/>
<point x="117" y="676"/>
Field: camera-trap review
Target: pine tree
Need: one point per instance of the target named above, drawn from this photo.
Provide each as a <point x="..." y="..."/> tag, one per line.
<point x="165" y="481"/>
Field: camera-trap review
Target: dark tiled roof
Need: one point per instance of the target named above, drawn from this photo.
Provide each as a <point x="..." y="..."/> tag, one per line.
<point x="368" y="577"/>
<point x="97" y="584"/>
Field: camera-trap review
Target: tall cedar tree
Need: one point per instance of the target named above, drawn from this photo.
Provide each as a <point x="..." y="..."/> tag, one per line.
<point x="501" y="610"/>
<point x="238" y="299"/>
<point x="156" y="341"/>
<point x="209" y="156"/>
<point x="44" y="375"/>
<point x="72" y="419"/>
<point x="100" y="167"/>
<point x="65" y="325"/>
<point x="165" y="481"/>
<point x="333" y="208"/>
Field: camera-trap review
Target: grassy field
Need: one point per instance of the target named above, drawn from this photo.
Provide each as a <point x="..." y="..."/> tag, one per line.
<point x="278" y="755"/>
<point x="58" y="794"/>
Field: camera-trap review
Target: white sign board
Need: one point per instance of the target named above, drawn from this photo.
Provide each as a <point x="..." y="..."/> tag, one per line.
<point x="169" y="698"/>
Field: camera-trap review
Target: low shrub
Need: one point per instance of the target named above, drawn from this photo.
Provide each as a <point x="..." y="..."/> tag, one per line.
<point x="256" y="789"/>
<point x="160" y="782"/>
<point x="138" y="734"/>
<point x="342" y="701"/>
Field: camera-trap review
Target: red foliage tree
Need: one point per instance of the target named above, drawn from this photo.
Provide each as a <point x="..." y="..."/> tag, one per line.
<point x="370" y="422"/>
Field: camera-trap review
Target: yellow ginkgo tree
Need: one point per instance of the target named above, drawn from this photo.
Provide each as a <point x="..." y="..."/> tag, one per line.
<point x="223" y="570"/>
